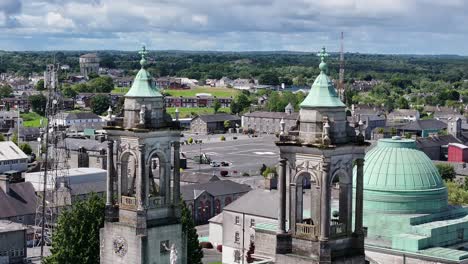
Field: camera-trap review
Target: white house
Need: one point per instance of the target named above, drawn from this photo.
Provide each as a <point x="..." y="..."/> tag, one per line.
<point x="70" y="119"/>
<point x="12" y="158"/>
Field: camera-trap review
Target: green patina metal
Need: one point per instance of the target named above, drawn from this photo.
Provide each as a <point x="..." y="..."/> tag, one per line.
<point x="323" y="92"/>
<point x="143" y="85"/>
<point x="405" y="203"/>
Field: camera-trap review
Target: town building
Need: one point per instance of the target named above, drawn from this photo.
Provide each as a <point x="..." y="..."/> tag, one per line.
<point x="403" y="115"/>
<point x="87" y="153"/>
<point x="143" y="221"/>
<point x="215" y="123"/>
<point x="200" y="100"/>
<point x="12" y="242"/>
<point x="21" y="103"/>
<point x="25" y="133"/>
<point x="406" y="209"/>
<point x="436" y="146"/>
<point x="206" y="200"/>
<point x="89" y="63"/>
<point x="82" y="182"/>
<point x="18" y="201"/>
<point x="9" y="119"/>
<point x="80" y="118"/>
<point x="269" y="122"/>
<point x="370" y="117"/>
<point x="423" y="128"/>
<point x="12" y="158"/>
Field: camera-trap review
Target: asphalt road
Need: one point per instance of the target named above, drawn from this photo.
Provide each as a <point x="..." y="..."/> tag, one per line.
<point x="244" y="155"/>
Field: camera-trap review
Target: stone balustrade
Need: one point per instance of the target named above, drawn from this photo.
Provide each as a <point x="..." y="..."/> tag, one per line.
<point x="305" y="231"/>
<point x="337" y="228"/>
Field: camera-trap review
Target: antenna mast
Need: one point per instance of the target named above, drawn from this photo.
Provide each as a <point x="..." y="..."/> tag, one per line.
<point x="341" y="86"/>
<point x="53" y="193"/>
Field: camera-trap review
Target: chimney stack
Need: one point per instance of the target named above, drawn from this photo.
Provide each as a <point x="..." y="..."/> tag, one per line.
<point x="5" y="183"/>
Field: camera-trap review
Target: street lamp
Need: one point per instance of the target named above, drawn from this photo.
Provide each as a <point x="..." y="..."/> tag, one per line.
<point x="39" y="139"/>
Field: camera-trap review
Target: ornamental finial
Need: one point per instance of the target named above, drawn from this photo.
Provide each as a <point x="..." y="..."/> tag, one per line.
<point x="143" y="53"/>
<point x="323" y="65"/>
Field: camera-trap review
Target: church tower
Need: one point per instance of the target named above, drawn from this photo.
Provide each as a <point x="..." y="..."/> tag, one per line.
<point x="322" y="150"/>
<point x="142" y="217"/>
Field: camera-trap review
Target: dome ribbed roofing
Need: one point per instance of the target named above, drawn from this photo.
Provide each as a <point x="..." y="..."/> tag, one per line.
<point x="398" y="178"/>
<point x="396" y="164"/>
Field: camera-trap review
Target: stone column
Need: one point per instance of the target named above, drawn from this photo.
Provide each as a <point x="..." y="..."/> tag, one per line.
<point x="162" y="179"/>
<point x="167" y="174"/>
<point x="110" y="173"/>
<point x="325" y="202"/>
<point x="176" y="179"/>
<point x="282" y="196"/>
<point x="359" y="196"/>
<point x="141" y="181"/>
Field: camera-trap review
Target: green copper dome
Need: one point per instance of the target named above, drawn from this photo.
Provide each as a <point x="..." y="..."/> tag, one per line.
<point x="322" y="93"/>
<point x="398" y="178"/>
<point x="143" y="85"/>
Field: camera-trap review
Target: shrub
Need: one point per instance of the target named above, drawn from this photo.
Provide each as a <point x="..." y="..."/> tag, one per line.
<point x="190" y="140"/>
<point x="269" y="170"/>
<point x="222" y="138"/>
<point x="245" y="174"/>
<point x="446" y="171"/>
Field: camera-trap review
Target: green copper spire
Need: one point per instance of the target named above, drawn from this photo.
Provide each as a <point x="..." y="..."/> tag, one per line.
<point x="143" y="85"/>
<point x="322" y="93"/>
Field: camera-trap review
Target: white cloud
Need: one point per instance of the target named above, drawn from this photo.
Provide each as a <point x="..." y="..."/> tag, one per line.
<point x="370" y="25"/>
<point x="54" y="19"/>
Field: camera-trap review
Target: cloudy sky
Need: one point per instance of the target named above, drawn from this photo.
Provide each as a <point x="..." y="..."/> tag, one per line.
<point x="370" y="26"/>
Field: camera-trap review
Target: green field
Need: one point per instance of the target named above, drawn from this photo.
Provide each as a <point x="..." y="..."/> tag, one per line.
<point x="215" y="91"/>
<point x="186" y="112"/>
<point x="120" y="90"/>
<point x="31" y="119"/>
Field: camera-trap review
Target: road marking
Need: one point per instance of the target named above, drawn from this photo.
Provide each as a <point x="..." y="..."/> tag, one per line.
<point x="265" y="153"/>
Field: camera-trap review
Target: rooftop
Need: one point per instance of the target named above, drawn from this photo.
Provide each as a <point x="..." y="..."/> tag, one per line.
<point x="218" y="117"/>
<point x="8" y="226"/>
<point x="215" y="188"/>
<point x="10" y="151"/>
<point x="21" y="200"/>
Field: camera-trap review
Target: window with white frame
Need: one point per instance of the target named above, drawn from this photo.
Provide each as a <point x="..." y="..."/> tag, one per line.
<point x="237" y="220"/>
<point x="237" y="256"/>
<point x="237" y="238"/>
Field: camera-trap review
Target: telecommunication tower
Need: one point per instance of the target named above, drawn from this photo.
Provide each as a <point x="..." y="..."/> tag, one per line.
<point x="54" y="194"/>
<point x="341" y="86"/>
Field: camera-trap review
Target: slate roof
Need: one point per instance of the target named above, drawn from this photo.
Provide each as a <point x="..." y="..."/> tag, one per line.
<point x="190" y="177"/>
<point x="278" y="115"/>
<point x="419" y="125"/>
<point x="88" y="187"/>
<point x="80" y="127"/>
<point x="403" y="112"/>
<point x="436" y="141"/>
<point x="81" y="115"/>
<point x="257" y="202"/>
<point x="88" y="144"/>
<point x="9" y="151"/>
<point x="89" y="55"/>
<point x="218" y="118"/>
<point x="21" y="200"/>
<point x="26" y="131"/>
<point x="216" y="188"/>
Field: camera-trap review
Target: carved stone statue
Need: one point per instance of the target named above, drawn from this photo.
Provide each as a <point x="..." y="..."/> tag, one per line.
<point x="142" y="115"/>
<point x="173" y="253"/>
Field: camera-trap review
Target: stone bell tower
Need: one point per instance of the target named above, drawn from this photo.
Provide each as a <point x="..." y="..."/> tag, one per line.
<point x="142" y="215"/>
<point x="322" y="151"/>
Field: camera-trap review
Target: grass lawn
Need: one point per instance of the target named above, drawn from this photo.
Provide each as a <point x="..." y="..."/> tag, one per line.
<point x="120" y="90"/>
<point x="215" y="91"/>
<point x="186" y="112"/>
<point x="31" y="119"/>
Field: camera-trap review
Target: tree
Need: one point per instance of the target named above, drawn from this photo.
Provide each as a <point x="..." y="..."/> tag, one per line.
<point x="216" y="105"/>
<point x="67" y="91"/>
<point x="102" y="84"/>
<point x="227" y="124"/>
<point x="14" y="139"/>
<point x="5" y="91"/>
<point x="40" y="85"/>
<point x="100" y="103"/>
<point x="446" y="171"/>
<point x="194" y="251"/>
<point x="26" y="148"/>
<point x="38" y="103"/>
<point x="2" y="137"/>
<point x="76" y="237"/>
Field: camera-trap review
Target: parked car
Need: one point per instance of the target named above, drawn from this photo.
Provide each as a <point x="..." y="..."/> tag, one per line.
<point x="214" y="164"/>
<point x="224" y="163"/>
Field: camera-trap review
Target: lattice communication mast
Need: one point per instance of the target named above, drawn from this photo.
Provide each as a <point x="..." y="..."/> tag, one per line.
<point x="341" y="86"/>
<point x="54" y="193"/>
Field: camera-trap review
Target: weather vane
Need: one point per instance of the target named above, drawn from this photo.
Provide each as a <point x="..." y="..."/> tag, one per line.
<point x="323" y="54"/>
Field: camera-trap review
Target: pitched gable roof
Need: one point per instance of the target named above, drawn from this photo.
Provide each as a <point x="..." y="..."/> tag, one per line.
<point x="424" y="125"/>
<point x="216" y="188"/>
<point x="21" y="200"/>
